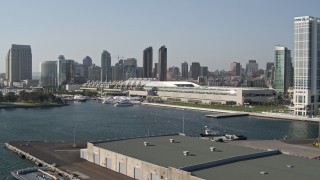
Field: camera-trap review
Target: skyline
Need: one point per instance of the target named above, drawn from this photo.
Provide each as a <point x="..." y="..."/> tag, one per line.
<point x="76" y="29"/>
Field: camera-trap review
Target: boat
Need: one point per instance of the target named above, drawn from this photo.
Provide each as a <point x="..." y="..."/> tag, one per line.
<point x="215" y="136"/>
<point x="123" y="103"/>
<point x="80" y="98"/>
<point x="107" y="100"/>
<point x="35" y="173"/>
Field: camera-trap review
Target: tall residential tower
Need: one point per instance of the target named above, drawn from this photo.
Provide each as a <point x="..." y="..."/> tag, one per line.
<point x="283" y="77"/>
<point x="162" y="64"/>
<point x="105" y="66"/>
<point x="306" y="65"/>
<point x="147" y="62"/>
<point x="19" y="63"/>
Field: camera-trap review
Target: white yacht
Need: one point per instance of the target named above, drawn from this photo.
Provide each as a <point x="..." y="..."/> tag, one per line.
<point x="123" y="103"/>
<point x="80" y="98"/>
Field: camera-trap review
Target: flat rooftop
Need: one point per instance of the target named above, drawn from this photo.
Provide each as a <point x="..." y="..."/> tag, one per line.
<point x="163" y="153"/>
<point x="275" y="166"/>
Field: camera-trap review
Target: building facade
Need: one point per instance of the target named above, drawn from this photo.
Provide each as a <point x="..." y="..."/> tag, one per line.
<point x="235" y="69"/>
<point x="252" y="69"/>
<point x="94" y="73"/>
<point x="306" y="65"/>
<point x="19" y="63"/>
<point x="87" y="62"/>
<point x="130" y="68"/>
<point x="147" y="62"/>
<point x="48" y="71"/>
<point x="184" y="70"/>
<point x="196" y="70"/>
<point x="66" y="71"/>
<point x="283" y="69"/>
<point x="162" y="64"/>
<point x="106" y="66"/>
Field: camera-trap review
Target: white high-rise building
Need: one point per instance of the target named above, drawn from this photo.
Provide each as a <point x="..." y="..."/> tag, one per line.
<point x="306" y="65"/>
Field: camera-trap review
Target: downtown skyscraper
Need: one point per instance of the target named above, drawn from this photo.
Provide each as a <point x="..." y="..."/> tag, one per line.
<point x="49" y="76"/>
<point x="283" y="77"/>
<point x="147" y="62"/>
<point x="106" y="66"/>
<point x="306" y="65"/>
<point x="184" y="70"/>
<point x="162" y="64"/>
<point x="19" y="63"/>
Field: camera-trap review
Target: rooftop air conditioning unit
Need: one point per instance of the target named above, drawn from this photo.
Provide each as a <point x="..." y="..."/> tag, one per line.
<point x="171" y="140"/>
<point x="146" y="143"/>
<point x="186" y="153"/>
<point x="212" y="148"/>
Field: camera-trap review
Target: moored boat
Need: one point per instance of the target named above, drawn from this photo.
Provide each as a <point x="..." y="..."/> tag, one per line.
<point x="35" y="173"/>
<point x="214" y="135"/>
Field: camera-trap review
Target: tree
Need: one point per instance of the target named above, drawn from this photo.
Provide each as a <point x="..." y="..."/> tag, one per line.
<point x="1" y="97"/>
<point x="24" y="96"/>
<point x="10" y="97"/>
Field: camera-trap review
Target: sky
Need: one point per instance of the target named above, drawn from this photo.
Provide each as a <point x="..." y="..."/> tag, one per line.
<point x="212" y="32"/>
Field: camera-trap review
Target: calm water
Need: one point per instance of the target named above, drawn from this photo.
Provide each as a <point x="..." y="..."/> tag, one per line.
<point x="96" y="121"/>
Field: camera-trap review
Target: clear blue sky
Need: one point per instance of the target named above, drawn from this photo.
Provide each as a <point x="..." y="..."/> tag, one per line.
<point x="212" y="32"/>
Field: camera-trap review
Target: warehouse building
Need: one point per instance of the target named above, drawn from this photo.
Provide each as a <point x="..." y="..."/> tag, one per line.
<point x="172" y="157"/>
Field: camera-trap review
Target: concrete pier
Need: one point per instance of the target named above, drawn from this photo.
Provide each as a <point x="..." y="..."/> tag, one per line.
<point x="226" y="115"/>
<point x="63" y="158"/>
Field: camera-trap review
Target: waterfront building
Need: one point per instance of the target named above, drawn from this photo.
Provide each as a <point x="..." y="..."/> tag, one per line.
<point x="252" y="69"/>
<point x="283" y="78"/>
<point x="173" y="73"/>
<point x="87" y="62"/>
<point x="306" y="65"/>
<point x="66" y="71"/>
<point x="48" y="74"/>
<point x="147" y="62"/>
<point x="176" y="156"/>
<point x="106" y="66"/>
<point x="196" y="70"/>
<point x="94" y="73"/>
<point x="235" y="69"/>
<point x="269" y="70"/>
<point x="162" y="64"/>
<point x="18" y="63"/>
<point x="130" y="68"/>
<point x="184" y="70"/>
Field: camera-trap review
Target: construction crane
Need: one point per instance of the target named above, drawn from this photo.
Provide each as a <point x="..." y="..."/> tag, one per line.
<point x="117" y="57"/>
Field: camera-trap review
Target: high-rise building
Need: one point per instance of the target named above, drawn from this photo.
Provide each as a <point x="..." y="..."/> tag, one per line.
<point x="48" y="74"/>
<point x="66" y="71"/>
<point x="130" y="68"/>
<point x="282" y="69"/>
<point x="269" y="70"/>
<point x="87" y="62"/>
<point x="196" y="70"/>
<point x="252" y="69"/>
<point x="19" y="63"/>
<point x="139" y="72"/>
<point x="204" y="71"/>
<point x="173" y="73"/>
<point x="155" y="70"/>
<point x="94" y="73"/>
<point x="147" y="62"/>
<point x="162" y="64"/>
<point x="119" y="71"/>
<point x="184" y="70"/>
<point x="106" y="66"/>
<point x="306" y="65"/>
<point x="235" y="69"/>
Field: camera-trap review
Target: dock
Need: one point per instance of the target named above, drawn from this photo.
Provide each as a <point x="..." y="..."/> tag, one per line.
<point x="62" y="158"/>
<point x="226" y="115"/>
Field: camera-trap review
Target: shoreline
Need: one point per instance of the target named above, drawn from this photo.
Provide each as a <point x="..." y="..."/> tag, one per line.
<point x="279" y="116"/>
<point x="12" y="106"/>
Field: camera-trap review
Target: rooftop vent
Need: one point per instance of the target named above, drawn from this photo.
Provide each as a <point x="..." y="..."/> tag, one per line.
<point x="186" y="153"/>
<point x="212" y="148"/>
<point x="263" y="172"/>
<point x="146" y="143"/>
<point x="290" y="166"/>
<point x="171" y="140"/>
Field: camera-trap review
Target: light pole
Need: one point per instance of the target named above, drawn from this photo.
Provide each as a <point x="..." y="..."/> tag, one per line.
<point x="74" y="135"/>
<point x="183" y="122"/>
